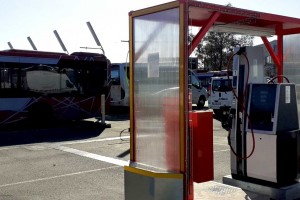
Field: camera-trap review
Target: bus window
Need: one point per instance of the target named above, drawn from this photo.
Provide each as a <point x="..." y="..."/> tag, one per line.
<point x="4" y="77"/>
<point x="10" y="79"/>
<point x="115" y="74"/>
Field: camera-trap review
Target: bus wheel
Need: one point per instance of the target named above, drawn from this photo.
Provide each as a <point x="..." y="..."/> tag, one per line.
<point x="201" y="102"/>
<point x="40" y="114"/>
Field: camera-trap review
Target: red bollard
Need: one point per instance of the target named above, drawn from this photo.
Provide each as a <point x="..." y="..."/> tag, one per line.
<point x="202" y="145"/>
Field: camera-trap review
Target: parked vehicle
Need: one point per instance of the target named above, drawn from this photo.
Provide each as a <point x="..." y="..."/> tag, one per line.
<point x="204" y="78"/>
<point x="220" y="95"/>
<point x="199" y="93"/>
<point x="120" y="84"/>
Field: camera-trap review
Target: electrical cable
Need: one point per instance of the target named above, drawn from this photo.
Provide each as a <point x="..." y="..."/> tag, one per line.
<point x="276" y="77"/>
<point x="242" y="105"/>
<point x="122" y="131"/>
<point x="240" y="52"/>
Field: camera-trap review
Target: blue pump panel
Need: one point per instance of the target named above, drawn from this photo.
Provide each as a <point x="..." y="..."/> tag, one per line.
<point x="262" y="106"/>
<point x="272" y="108"/>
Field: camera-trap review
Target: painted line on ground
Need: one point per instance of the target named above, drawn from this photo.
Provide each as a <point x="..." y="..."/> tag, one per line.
<point x="96" y="140"/>
<point x="66" y="143"/>
<point x="92" y="155"/>
<point x="7" y="148"/>
<point x="221" y="150"/>
<point x="221" y="144"/>
<point x="224" y="137"/>
<point x="54" y="177"/>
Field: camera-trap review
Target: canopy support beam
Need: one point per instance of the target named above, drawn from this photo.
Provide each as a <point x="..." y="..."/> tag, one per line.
<point x="197" y="39"/>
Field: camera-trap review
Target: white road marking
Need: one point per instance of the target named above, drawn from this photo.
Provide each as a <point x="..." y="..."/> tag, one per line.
<point x="219" y="136"/>
<point x="92" y="155"/>
<point x="14" y="147"/>
<point x="67" y="143"/>
<point x="222" y="150"/>
<point x="59" y="176"/>
<point x="221" y="144"/>
<point x="96" y="140"/>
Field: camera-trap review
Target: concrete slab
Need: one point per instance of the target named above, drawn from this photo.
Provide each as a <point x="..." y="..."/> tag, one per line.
<point x="291" y="192"/>
<point x="214" y="190"/>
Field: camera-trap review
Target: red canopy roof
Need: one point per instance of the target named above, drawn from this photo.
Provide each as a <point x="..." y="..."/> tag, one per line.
<point x="238" y="20"/>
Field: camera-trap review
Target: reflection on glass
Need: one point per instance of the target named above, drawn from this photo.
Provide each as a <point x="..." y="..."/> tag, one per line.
<point x="291" y="62"/>
<point x="156" y="89"/>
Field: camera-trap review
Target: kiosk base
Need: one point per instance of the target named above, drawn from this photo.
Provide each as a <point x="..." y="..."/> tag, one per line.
<point x="282" y="193"/>
<point x="149" y="185"/>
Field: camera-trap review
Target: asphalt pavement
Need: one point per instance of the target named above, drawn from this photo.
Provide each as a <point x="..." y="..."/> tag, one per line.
<point x="85" y="161"/>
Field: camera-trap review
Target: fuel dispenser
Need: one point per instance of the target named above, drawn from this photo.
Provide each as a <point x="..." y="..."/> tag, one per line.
<point x="264" y="137"/>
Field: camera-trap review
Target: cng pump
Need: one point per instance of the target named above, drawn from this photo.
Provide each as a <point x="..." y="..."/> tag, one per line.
<point x="264" y="137"/>
<point x="273" y="119"/>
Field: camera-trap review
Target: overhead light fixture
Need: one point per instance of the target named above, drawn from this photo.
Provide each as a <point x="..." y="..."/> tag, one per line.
<point x="31" y="43"/>
<point x="10" y="45"/>
<point x="243" y="30"/>
<point x="60" y="41"/>
<point x="95" y="36"/>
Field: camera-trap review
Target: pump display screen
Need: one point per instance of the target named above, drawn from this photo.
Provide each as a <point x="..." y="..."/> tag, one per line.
<point x="262" y="106"/>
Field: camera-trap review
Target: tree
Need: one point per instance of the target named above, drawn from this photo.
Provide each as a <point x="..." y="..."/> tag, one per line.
<point x="216" y="48"/>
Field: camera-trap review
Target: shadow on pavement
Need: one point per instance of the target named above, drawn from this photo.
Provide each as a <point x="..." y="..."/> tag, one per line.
<point x="118" y="113"/>
<point x="28" y="133"/>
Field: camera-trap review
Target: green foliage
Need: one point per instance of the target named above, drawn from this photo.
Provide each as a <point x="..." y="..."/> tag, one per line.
<point x="216" y="48"/>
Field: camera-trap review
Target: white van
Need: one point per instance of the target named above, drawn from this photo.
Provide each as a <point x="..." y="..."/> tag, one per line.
<point x="220" y="95"/>
<point x="119" y="91"/>
<point x="199" y="93"/>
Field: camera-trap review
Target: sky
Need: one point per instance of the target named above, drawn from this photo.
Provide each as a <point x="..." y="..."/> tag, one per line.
<point x="38" y="19"/>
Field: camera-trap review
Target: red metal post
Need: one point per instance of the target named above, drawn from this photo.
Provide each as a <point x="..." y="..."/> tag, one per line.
<point x="188" y="193"/>
<point x="271" y="51"/>
<point x="280" y="52"/>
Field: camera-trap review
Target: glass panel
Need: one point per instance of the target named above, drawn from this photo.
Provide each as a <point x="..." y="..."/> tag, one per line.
<point x="4" y="77"/>
<point x="115" y="74"/>
<point x="156" y="94"/>
<point x="291" y="62"/>
<point x="221" y="85"/>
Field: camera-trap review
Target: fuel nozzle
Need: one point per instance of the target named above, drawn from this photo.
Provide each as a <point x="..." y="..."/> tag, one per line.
<point x="227" y="119"/>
